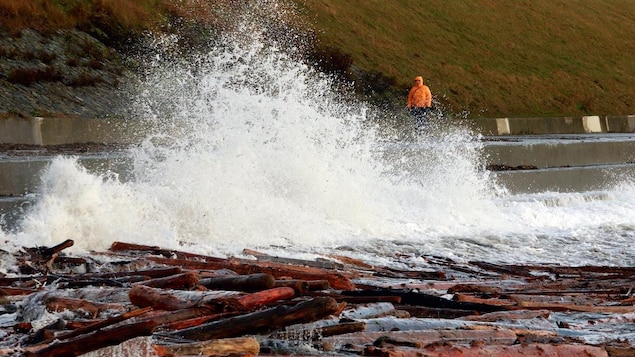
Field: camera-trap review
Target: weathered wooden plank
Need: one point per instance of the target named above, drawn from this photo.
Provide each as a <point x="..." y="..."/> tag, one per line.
<point x="237" y="346"/>
<point x="489" y="301"/>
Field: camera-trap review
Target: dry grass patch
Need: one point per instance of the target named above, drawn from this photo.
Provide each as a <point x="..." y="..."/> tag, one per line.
<point x="26" y="76"/>
<point x="50" y="15"/>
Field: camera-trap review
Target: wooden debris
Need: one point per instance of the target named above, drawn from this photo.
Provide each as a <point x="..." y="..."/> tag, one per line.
<point x="180" y="281"/>
<point x="159" y="299"/>
<point x="101" y="324"/>
<point x="9" y="291"/>
<point x="262" y="321"/>
<point x="78" y="345"/>
<point x="221" y="347"/>
<point x="299" y="286"/>
<point x="341" y="328"/>
<point x="194" y="304"/>
<point x="484" y="301"/>
<point x="423" y="299"/>
<point x="41" y="259"/>
<point x="250" y="282"/>
<point x="265" y="297"/>
<point x="196" y="321"/>
<point x="57" y="304"/>
<point x="336" y="279"/>
<point x="48" y="252"/>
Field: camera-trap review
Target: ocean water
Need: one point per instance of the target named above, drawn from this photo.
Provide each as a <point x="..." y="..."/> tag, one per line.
<point x="249" y="147"/>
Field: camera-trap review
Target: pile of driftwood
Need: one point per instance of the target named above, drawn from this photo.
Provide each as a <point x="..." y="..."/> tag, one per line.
<point x="139" y="300"/>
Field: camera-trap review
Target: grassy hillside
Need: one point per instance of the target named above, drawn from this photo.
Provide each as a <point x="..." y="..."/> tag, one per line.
<point x="484" y="57"/>
<point x="494" y="57"/>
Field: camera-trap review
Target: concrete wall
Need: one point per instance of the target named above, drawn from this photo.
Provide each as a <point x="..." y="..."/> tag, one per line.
<point x="55" y="131"/>
<point x="19" y="131"/>
<point x="560" y="154"/>
<point x="556" y="125"/>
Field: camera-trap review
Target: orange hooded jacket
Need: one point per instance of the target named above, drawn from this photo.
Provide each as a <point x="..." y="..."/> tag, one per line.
<point x="419" y="95"/>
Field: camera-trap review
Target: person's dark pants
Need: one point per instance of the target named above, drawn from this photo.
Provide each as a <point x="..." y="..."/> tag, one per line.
<point x="421" y="119"/>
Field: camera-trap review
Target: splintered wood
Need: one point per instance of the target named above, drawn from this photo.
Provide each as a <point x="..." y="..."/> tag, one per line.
<point x="149" y="301"/>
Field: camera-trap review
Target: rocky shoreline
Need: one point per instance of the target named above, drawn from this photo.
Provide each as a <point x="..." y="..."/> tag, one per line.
<point x="65" y="73"/>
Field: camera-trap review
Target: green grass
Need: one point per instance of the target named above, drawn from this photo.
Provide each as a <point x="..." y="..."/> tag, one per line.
<point x="494" y="57"/>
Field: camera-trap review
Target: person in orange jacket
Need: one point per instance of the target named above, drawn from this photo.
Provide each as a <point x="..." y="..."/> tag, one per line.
<point x="420" y="104"/>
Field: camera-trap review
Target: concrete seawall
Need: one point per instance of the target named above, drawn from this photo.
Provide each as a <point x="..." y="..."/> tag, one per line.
<point x="556" y="125"/>
<point x="54" y="131"/>
<point x="553" y="151"/>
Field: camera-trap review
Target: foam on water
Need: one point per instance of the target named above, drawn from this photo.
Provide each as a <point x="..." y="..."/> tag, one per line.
<point x="251" y="148"/>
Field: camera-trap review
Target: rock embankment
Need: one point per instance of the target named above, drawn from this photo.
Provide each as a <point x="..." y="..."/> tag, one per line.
<point x="65" y="73"/>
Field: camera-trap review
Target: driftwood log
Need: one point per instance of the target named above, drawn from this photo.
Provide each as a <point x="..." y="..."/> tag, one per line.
<point x="217" y="301"/>
<point x="262" y="321"/>
<point x="239" y="346"/>
<point x="250" y="282"/>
